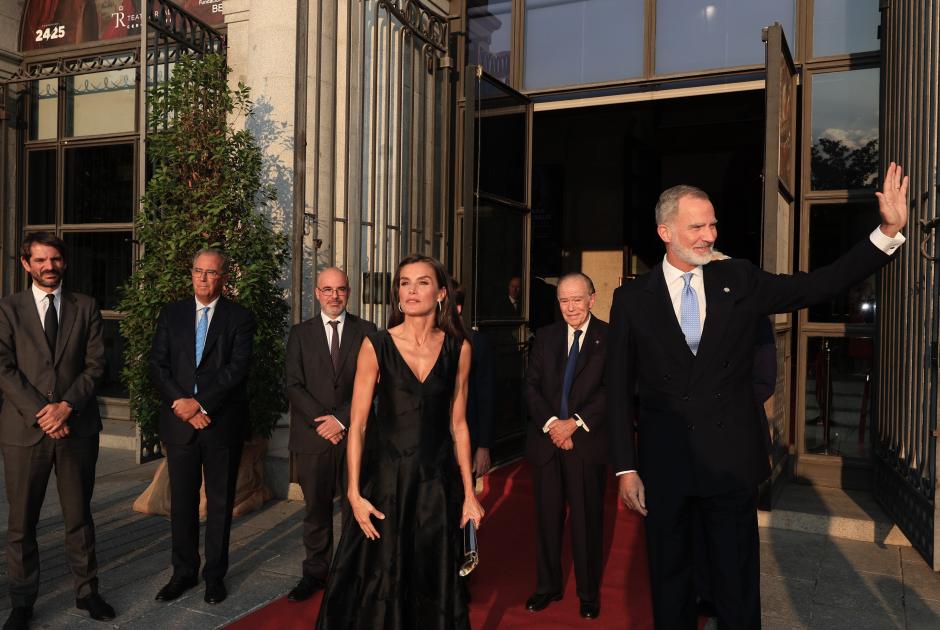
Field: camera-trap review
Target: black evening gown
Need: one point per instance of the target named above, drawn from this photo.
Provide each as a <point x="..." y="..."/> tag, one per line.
<point x="407" y="579"/>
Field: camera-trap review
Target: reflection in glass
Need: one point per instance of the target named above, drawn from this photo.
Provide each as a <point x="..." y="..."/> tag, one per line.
<point x="98" y="264"/>
<point x="582" y="41"/>
<point x="838" y="396"/>
<point x="845" y="26"/>
<point x="112" y="384"/>
<point x="703" y="34"/>
<point x="489" y="26"/>
<point x="44" y="109"/>
<point x="100" y="103"/>
<point x="99" y="184"/>
<point x="844" y="151"/>
<point x="833" y="230"/>
<point x="41" y="187"/>
<point x="501" y="146"/>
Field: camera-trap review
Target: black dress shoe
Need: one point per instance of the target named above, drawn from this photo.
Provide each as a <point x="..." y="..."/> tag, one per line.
<point x="97" y="608"/>
<point x="215" y="592"/>
<point x="175" y="588"/>
<point x="590" y="610"/>
<point x="19" y="618"/>
<point x="306" y="587"/>
<point x="540" y="601"/>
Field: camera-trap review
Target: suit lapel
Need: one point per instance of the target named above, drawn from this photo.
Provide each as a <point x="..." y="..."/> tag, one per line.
<point x="66" y="323"/>
<point x="215" y="326"/>
<point x="587" y="346"/>
<point x="719" y="300"/>
<point x="346" y="341"/>
<point x="663" y="315"/>
<point x="30" y="318"/>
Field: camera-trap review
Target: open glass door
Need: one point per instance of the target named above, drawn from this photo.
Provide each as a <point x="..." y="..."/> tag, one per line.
<point x="495" y="237"/>
<point x="778" y="225"/>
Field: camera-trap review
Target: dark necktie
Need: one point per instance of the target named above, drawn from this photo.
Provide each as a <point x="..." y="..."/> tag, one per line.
<point x="334" y="345"/>
<point x="51" y="322"/>
<point x="569" y="375"/>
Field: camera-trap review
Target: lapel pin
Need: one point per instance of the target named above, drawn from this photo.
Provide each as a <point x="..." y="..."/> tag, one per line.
<point x="726" y="290"/>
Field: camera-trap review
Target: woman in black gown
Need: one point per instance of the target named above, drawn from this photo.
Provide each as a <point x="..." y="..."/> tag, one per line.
<point x="411" y="470"/>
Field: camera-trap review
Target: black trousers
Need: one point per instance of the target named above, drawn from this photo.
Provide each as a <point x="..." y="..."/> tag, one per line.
<point x="27" y="470"/>
<point x="729" y="525"/>
<point x="186" y="464"/>
<point x="566" y="478"/>
<point x="321" y="477"/>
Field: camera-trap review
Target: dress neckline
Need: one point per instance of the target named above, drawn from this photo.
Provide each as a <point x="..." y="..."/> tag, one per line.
<point x="401" y="357"/>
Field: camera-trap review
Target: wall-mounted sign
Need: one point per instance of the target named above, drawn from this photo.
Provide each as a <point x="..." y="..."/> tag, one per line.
<point x="54" y="23"/>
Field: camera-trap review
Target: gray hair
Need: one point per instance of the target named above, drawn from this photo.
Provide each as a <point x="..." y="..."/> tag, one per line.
<point x="583" y="276"/>
<point x="223" y="258"/>
<point x="668" y="204"/>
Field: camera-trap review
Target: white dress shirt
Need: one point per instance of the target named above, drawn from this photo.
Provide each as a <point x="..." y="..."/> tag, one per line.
<point x="209" y="314"/>
<point x="583" y="328"/>
<point x="675" y="283"/>
<point x="42" y="304"/>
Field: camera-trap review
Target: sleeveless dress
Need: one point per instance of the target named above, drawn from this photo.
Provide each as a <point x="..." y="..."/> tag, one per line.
<point x="407" y="579"/>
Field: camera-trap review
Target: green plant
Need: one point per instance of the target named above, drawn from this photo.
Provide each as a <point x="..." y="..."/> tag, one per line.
<point x="206" y="190"/>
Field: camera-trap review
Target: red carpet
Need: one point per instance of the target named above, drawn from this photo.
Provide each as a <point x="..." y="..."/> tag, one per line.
<point x="506" y="575"/>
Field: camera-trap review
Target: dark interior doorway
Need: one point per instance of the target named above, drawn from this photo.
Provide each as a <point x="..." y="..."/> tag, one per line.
<point x="597" y="172"/>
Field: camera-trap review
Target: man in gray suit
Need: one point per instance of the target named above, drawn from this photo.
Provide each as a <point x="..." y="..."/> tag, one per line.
<point x="320" y="370"/>
<point x="51" y="359"/>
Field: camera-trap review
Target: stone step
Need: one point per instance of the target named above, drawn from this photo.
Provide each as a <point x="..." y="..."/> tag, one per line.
<point x="849" y="514"/>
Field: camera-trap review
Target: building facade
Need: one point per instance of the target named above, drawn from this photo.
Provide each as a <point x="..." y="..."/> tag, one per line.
<point x="521" y="139"/>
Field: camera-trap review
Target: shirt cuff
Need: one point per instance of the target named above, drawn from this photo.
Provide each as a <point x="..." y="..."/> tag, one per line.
<point x="578" y="420"/>
<point x="624" y="472"/>
<point x="548" y="424"/>
<point x="340" y="423"/>
<point x="885" y="243"/>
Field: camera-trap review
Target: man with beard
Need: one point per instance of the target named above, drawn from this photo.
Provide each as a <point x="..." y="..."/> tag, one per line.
<point x="321" y="364"/>
<point x="679" y="373"/>
<point x="51" y="359"/>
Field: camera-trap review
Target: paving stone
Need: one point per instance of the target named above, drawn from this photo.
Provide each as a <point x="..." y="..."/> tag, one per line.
<point x="921" y="614"/>
<point x="921" y="580"/>
<point x="773" y="623"/>
<point x="868" y="593"/>
<point x="787" y="599"/>
<point x="791" y="554"/>
<point x="861" y="556"/>
<point x="835" y="618"/>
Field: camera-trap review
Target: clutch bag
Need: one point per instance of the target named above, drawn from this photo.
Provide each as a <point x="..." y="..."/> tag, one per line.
<point x="471" y="553"/>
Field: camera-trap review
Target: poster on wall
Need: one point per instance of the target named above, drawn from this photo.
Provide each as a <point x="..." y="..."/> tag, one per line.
<point x="53" y="23"/>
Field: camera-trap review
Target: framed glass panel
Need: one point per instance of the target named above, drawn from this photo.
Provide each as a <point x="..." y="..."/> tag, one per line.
<point x="112" y="384"/>
<point x="99" y="184"/>
<point x="98" y="264"/>
<point x="845" y="26"/>
<point x="100" y="103"/>
<point x="41" y="187"/>
<point x="44" y="109"/>
<point x="833" y="230"/>
<point x="502" y="138"/>
<point x="844" y="131"/>
<point x="838" y="396"/>
<point x="489" y="26"/>
<point x="704" y="34"/>
<point x="571" y="42"/>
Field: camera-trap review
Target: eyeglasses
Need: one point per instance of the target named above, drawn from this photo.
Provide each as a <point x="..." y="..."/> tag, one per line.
<point x="209" y="273"/>
<point x="340" y="291"/>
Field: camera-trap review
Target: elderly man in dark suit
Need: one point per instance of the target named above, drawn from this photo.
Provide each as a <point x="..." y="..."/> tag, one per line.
<point x="321" y="362"/>
<point x="680" y="371"/>
<point x="567" y="444"/>
<point x="199" y="364"/>
<point x="51" y="359"/>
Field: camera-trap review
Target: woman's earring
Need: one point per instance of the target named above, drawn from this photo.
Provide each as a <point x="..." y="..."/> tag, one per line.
<point x="400" y="308"/>
<point x="440" y="309"/>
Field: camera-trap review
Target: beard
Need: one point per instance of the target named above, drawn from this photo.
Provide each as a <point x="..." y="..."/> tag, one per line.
<point x="692" y="257"/>
<point x="48" y="280"/>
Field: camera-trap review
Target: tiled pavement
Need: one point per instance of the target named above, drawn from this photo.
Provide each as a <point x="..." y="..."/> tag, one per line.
<point x="807" y="580"/>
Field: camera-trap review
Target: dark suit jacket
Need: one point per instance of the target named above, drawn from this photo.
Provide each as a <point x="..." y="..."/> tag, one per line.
<point x="222" y="375"/>
<point x="312" y="388"/>
<point x="588" y="397"/>
<point x="697" y="415"/>
<point x="31" y="377"/>
<point x="481" y="399"/>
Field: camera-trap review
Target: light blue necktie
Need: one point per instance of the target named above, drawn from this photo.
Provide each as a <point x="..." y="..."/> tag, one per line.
<point x="201" y="329"/>
<point x="569" y="376"/>
<point x="688" y="314"/>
